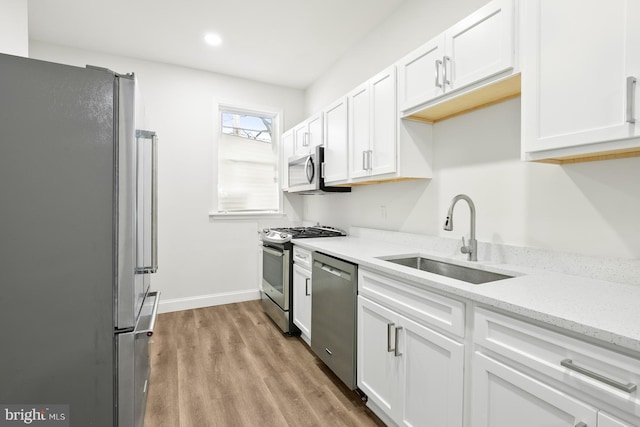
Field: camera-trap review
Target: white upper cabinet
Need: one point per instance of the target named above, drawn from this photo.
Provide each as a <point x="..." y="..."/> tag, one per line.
<point x="373" y="126"/>
<point x="384" y="117"/>
<point x="359" y="130"/>
<point x="419" y="74"/>
<point x="336" y="139"/>
<point x="579" y="98"/>
<point x="308" y="134"/>
<point x="479" y="46"/>
<point x="477" y="50"/>
<point x="287" y="150"/>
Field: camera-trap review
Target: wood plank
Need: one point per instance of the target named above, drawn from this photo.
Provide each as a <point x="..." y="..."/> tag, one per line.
<point x="605" y="155"/>
<point x="470" y="99"/>
<point x="230" y="365"/>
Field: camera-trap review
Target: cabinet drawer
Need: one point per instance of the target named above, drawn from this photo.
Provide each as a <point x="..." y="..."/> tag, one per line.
<point x="302" y="257"/>
<point x="440" y="312"/>
<point x="601" y="373"/>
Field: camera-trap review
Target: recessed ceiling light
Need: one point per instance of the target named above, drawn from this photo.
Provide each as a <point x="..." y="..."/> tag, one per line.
<point x="213" y="39"/>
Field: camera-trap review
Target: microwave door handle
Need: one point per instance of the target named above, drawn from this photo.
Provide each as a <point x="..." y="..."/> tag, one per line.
<point x="309" y="169"/>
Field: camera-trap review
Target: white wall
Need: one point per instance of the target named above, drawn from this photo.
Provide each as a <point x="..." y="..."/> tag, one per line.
<point x="14" y="27"/>
<point x="589" y="208"/>
<point x="202" y="261"/>
<point x="412" y="24"/>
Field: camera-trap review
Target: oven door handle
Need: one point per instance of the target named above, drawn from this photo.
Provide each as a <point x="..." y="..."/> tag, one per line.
<point x="272" y="252"/>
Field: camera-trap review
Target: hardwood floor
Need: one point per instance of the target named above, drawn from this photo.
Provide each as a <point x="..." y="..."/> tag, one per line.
<point x="229" y="365"/>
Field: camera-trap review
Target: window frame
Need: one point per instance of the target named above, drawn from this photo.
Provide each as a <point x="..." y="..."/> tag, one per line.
<point x="257" y="110"/>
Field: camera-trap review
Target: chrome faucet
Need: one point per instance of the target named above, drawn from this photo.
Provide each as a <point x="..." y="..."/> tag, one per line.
<point x="472" y="248"/>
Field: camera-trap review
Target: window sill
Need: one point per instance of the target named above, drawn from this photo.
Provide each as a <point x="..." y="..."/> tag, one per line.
<point x="239" y="216"/>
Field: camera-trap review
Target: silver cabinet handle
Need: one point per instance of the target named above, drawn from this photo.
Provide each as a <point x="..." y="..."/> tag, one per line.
<point x="389" y="327"/>
<point x="369" y="161"/>
<point x="629" y="388"/>
<point x="445" y="80"/>
<point x="631" y="99"/>
<point x="438" y="65"/>
<point x="364" y="160"/>
<point x="306" y="286"/>
<point x="305" y="139"/>
<point x="581" y="424"/>
<point x="396" y="353"/>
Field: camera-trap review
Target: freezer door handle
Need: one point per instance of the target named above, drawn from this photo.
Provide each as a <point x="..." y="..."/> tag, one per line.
<point x="148" y="331"/>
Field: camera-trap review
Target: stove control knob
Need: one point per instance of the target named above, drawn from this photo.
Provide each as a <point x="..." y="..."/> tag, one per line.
<point x="265" y="230"/>
<point x="283" y="235"/>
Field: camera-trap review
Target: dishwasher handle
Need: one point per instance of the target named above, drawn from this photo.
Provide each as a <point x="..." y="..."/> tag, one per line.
<point x="332" y="270"/>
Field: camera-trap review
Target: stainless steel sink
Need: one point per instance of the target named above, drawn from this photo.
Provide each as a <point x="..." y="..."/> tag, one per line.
<point x="466" y="274"/>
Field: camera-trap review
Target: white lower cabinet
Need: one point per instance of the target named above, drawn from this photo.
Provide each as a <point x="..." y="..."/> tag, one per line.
<point x="605" y="420"/>
<point x="378" y="368"/>
<point x="411" y="373"/>
<point x="302" y="300"/>
<point x="302" y="292"/>
<point x="411" y="364"/>
<point x="505" y="397"/>
<point x="530" y="376"/>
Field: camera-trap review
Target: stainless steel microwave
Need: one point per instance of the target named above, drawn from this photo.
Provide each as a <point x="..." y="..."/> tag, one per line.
<point x="306" y="174"/>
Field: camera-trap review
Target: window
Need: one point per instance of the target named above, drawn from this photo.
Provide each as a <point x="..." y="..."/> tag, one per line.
<point x="247" y="162"/>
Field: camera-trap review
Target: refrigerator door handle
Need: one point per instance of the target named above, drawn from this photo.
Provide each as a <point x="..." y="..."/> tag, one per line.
<point x="152" y="242"/>
<point x="154" y="204"/>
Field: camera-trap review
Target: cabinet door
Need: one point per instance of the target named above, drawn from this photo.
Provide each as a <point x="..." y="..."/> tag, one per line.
<point x="480" y="45"/>
<point x="506" y="397"/>
<point x="432" y="377"/>
<point x="287" y="150"/>
<point x="384" y="118"/>
<point x="359" y="130"/>
<point x="301" y="139"/>
<point x="302" y="299"/>
<point x="259" y="266"/>
<point x="420" y="75"/>
<point x="574" y="78"/>
<point x="378" y="367"/>
<point x="605" y="420"/>
<point x="316" y="131"/>
<point x="336" y="159"/>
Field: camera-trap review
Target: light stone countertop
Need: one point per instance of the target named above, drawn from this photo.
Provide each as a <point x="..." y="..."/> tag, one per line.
<point x="600" y="310"/>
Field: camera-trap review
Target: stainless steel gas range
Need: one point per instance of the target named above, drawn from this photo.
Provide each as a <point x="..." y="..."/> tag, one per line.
<point x="277" y="270"/>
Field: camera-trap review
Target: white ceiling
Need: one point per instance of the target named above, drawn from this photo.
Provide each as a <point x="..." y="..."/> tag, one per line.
<point x="284" y="42"/>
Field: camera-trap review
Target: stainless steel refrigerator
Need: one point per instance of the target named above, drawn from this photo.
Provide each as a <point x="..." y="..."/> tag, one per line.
<point x="78" y="227"/>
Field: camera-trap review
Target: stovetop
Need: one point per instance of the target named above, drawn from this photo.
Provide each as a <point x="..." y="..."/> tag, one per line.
<point x="282" y="235"/>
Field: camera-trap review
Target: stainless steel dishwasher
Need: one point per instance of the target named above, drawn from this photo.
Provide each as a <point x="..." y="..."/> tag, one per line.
<point x="333" y="315"/>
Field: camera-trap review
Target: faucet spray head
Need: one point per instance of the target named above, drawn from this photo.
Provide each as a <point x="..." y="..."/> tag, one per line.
<point x="448" y="223"/>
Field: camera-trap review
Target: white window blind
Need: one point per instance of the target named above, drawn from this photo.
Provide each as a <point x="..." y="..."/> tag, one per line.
<point x="247" y="163"/>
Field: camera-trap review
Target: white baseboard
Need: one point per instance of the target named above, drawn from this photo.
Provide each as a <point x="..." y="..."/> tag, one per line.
<point x="200" y="301"/>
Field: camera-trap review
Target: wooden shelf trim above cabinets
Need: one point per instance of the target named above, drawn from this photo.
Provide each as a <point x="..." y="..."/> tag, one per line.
<point x="471" y="100"/>
<point x="606" y="155"/>
<point x="382" y="181"/>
